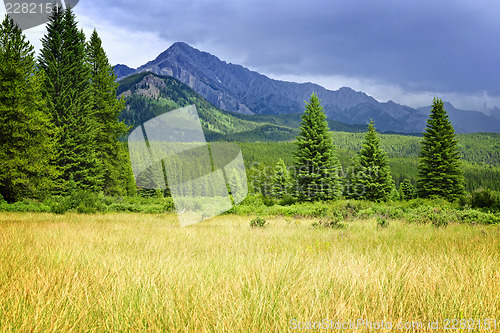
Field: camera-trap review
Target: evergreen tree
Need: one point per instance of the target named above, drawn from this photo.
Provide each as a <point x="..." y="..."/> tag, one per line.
<point x="281" y="180"/>
<point x="67" y="84"/>
<point x="439" y="170"/>
<point x="315" y="160"/>
<point x="26" y="134"/>
<point x="406" y="190"/>
<point x="373" y="175"/>
<point x="106" y="109"/>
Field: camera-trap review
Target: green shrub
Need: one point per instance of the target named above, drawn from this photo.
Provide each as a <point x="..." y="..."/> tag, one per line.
<point x="319" y="210"/>
<point x="287" y="200"/>
<point x="258" y="222"/>
<point x="81" y="201"/>
<point x="268" y="201"/>
<point x="382" y="223"/>
<point x="485" y="199"/>
<point x="333" y="221"/>
<point x="473" y="216"/>
<point x="25" y="206"/>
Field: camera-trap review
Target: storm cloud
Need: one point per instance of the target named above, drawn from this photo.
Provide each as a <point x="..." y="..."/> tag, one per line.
<point x="407" y="48"/>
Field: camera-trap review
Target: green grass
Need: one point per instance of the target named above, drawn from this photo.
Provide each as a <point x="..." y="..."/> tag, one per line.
<point x="138" y="272"/>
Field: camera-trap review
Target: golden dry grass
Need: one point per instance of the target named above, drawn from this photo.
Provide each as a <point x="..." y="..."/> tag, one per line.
<point x="135" y="272"/>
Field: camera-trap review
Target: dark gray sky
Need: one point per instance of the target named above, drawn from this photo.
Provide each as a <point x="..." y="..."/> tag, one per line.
<point x="404" y="50"/>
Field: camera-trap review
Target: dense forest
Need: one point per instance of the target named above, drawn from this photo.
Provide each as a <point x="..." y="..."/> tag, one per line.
<point x="480" y="156"/>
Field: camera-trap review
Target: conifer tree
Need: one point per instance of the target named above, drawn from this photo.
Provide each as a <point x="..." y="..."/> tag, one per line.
<point x="281" y="180"/>
<point x="406" y="190"/>
<point x="439" y="170"/>
<point x="315" y="160"/>
<point x="26" y="134"/>
<point x="374" y="175"/>
<point x="67" y="88"/>
<point x="106" y="109"/>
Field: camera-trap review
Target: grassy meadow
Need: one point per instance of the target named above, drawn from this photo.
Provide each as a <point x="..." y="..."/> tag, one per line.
<point x="143" y="272"/>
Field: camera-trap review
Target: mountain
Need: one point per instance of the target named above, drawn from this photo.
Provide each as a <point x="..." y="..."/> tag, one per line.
<point x="148" y="95"/>
<point x="237" y="89"/>
<point x="467" y="121"/>
<point x="123" y="70"/>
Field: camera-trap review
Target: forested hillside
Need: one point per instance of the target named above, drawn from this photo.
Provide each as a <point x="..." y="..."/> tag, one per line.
<point x="148" y="95"/>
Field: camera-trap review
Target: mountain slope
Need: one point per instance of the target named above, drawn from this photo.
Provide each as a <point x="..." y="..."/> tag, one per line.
<point x="148" y="95"/>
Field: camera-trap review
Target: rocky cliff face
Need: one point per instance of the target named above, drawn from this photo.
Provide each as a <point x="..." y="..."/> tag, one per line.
<point x="197" y="70"/>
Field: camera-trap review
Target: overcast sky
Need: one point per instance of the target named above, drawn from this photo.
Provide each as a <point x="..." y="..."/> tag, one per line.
<point x="402" y="50"/>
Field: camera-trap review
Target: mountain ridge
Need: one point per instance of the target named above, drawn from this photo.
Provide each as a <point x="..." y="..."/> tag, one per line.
<point x="234" y="88"/>
<point x="148" y="95"/>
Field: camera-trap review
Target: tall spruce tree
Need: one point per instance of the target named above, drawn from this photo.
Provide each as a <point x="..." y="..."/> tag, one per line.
<point x="106" y="109"/>
<point x="67" y="88"/>
<point x="315" y="160"/>
<point x="439" y="170"/>
<point x="373" y="174"/>
<point x="26" y="134"/>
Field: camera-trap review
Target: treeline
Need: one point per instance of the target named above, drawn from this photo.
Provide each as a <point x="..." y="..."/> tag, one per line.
<point x="261" y="157"/>
<point x="474" y="147"/>
<point x="59" y="125"/>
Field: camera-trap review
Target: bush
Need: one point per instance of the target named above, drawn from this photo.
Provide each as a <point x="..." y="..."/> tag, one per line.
<point x="287" y="200"/>
<point x="474" y="216"/>
<point x="333" y="221"/>
<point x="268" y="201"/>
<point x="258" y="222"/>
<point x="485" y="199"/>
<point x="382" y="223"/>
<point x="81" y="201"/>
<point x="25" y="206"/>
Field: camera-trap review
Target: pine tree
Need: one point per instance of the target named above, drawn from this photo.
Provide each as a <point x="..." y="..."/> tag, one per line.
<point x="67" y="88"/>
<point x="106" y="109"/>
<point x="406" y="190"/>
<point x="281" y="180"/>
<point x="26" y="134"/>
<point x="374" y="175"/>
<point x="439" y="170"/>
<point x="315" y="160"/>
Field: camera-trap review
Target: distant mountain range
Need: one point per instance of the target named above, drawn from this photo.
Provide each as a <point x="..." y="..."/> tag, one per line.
<point x="468" y="121"/>
<point x="237" y="89"/>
